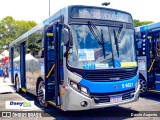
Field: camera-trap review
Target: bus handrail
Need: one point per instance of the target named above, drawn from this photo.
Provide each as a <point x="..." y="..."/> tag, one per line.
<point x="50" y="71"/>
<point x="151" y="65"/>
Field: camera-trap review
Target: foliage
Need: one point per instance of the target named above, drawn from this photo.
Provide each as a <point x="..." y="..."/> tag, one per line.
<point x="140" y="23"/>
<point x="23" y="26"/>
<point x="7" y="30"/>
<point x="11" y="29"/>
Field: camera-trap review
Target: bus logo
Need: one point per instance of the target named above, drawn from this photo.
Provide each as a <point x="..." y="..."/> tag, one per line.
<point x="116" y="87"/>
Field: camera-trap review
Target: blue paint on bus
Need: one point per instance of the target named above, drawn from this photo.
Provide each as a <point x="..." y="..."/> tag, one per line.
<point x="105" y="87"/>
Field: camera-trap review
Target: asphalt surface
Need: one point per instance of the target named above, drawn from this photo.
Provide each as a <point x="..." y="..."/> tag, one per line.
<point x="7" y="93"/>
<point x="7" y="86"/>
<point x="145" y="105"/>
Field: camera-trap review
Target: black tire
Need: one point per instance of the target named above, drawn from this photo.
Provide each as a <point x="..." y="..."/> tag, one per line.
<point x="41" y="94"/>
<point x="143" y="87"/>
<point x="17" y="85"/>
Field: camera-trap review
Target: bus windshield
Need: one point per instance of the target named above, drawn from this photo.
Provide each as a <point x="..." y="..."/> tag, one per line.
<point x="101" y="47"/>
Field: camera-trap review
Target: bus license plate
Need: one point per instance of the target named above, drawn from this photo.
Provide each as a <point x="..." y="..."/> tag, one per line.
<point x="116" y="98"/>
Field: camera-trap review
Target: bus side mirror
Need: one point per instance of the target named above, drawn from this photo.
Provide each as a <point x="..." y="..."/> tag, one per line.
<point x="68" y="42"/>
<point x="66" y="37"/>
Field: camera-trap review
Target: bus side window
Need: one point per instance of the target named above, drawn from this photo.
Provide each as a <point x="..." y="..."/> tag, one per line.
<point x="51" y="45"/>
<point x="41" y="53"/>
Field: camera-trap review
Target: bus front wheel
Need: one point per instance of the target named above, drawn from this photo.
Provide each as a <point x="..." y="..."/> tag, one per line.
<point x="143" y="86"/>
<point x="41" y="94"/>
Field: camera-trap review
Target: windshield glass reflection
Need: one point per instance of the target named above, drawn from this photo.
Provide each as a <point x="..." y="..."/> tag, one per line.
<point x="89" y="53"/>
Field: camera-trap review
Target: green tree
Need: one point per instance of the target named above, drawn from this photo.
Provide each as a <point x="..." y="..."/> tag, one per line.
<point x="140" y="23"/>
<point x="23" y="26"/>
<point x="11" y="29"/>
<point x="7" y="30"/>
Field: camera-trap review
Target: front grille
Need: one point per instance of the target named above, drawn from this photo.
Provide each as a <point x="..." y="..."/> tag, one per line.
<point x="105" y="97"/>
<point x="111" y="75"/>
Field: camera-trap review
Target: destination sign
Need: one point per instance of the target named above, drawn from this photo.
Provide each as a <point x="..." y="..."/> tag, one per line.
<point x="100" y="13"/>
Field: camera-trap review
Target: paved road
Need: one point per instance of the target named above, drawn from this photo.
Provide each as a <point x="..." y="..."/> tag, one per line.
<point x="6" y="86"/>
<point x="149" y="104"/>
<point x="7" y="93"/>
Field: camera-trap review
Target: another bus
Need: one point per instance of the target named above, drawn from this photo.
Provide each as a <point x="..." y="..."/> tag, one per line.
<point x="148" y="52"/>
<point x="82" y="57"/>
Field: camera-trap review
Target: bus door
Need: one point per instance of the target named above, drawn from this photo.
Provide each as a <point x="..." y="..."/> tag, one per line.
<point x="154" y="61"/>
<point x="11" y="69"/>
<point x="52" y="63"/>
<point x="157" y="61"/>
<point x="22" y="64"/>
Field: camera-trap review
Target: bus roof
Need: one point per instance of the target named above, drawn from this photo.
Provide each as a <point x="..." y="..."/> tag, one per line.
<point x="148" y="27"/>
<point x="53" y="17"/>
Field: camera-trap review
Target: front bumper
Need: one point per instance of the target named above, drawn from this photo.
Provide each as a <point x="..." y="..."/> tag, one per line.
<point x="75" y="100"/>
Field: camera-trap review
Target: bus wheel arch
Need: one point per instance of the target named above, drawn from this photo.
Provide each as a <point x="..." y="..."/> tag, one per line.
<point x="17" y="83"/>
<point x="143" y="85"/>
<point x="41" y="93"/>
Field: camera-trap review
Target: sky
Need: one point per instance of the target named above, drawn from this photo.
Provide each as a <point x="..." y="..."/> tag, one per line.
<point x="38" y="10"/>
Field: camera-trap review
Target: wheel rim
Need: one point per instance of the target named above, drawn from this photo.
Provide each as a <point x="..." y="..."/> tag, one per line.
<point x="143" y="85"/>
<point x="41" y="95"/>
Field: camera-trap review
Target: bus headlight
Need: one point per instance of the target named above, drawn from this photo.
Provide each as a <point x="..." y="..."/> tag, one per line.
<point x="83" y="89"/>
<point x="79" y="88"/>
<point x="74" y="85"/>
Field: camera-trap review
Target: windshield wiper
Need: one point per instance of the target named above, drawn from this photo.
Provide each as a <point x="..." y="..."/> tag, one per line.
<point x="121" y="33"/>
<point x="102" y="41"/>
<point x="98" y="36"/>
<point x="116" y="42"/>
<point x="118" y="37"/>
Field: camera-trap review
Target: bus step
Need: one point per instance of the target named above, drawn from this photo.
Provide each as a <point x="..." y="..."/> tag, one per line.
<point x="51" y="84"/>
<point x="50" y="92"/>
<point x="52" y="102"/>
<point x="150" y="76"/>
<point x="51" y="79"/>
<point x="51" y="88"/>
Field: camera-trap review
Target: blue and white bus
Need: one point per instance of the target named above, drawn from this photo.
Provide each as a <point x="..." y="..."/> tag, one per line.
<point x="82" y="57"/>
<point x="148" y="55"/>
